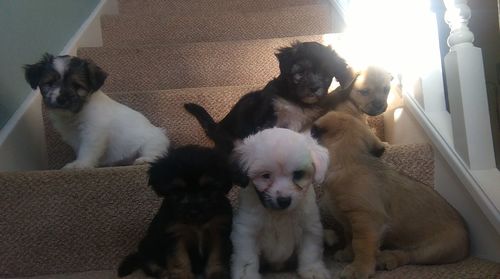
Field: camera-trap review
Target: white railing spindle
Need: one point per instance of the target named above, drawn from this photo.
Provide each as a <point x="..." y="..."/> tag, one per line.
<point x="467" y="91"/>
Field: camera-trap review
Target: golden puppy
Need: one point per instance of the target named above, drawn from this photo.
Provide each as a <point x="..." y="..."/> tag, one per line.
<point x="367" y="94"/>
<point x="389" y="219"/>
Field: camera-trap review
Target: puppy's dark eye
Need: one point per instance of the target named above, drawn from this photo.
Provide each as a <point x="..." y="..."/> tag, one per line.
<point x="49" y="83"/>
<point x="386" y="90"/>
<point x="364" y="92"/>
<point x="298" y="174"/>
<point x="265" y="175"/>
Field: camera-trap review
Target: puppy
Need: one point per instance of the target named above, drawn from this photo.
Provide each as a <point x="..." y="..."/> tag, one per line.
<point x="288" y="101"/>
<point x="366" y="95"/>
<point x="389" y="219"/>
<point x="101" y="131"/>
<point x="277" y="224"/>
<point x="190" y="233"/>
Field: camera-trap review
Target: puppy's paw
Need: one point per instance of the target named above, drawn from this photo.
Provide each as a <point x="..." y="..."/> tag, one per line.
<point x="143" y="160"/>
<point x="330" y="237"/>
<point x="78" y="165"/>
<point x="218" y="274"/>
<point x="180" y="274"/>
<point x="344" y="256"/>
<point x="314" y="271"/>
<point x="389" y="260"/>
<point x="353" y="271"/>
<point x="245" y="272"/>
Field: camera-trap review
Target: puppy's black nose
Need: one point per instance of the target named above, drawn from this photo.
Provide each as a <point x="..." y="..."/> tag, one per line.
<point x="284" y="202"/>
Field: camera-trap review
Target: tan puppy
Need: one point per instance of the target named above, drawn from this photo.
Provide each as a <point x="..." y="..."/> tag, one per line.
<point x="389" y="219"/>
<point x="367" y="94"/>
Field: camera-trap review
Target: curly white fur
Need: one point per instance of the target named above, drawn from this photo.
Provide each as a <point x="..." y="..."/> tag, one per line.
<point x="271" y="159"/>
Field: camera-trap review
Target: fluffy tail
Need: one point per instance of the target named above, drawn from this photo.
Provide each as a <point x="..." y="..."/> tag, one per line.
<point x="130" y="264"/>
<point x="221" y="138"/>
<point x="206" y="121"/>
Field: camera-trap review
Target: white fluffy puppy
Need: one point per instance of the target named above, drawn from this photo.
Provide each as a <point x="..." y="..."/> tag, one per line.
<point x="278" y="222"/>
<point x="102" y="132"/>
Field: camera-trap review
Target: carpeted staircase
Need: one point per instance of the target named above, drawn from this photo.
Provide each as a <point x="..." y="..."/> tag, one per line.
<point x="160" y="54"/>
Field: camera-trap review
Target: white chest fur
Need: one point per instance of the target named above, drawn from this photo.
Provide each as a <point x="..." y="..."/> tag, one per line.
<point x="294" y="117"/>
<point x="280" y="237"/>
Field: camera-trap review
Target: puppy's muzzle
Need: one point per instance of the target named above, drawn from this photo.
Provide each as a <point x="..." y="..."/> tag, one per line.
<point x="268" y="201"/>
<point x="376" y="108"/>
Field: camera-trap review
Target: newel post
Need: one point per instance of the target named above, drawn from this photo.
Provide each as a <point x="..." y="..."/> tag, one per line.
<point x="467" y="90"/>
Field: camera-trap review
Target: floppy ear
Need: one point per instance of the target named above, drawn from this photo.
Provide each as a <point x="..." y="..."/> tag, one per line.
<point x="96" y="75"/>
<point x="285" y="58"/>
<point x="238" y="175"/>
<point x="33" y="72"/>
<point x="320" y="158"/>
<point x="159" y="173"/>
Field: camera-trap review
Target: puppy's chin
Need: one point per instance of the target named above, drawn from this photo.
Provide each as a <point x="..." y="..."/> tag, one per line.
<point x="374" y="111"/>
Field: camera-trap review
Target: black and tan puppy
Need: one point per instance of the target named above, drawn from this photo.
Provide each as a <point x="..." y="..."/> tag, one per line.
<point x="365" y="96"/>
<point x="288" y="101"/>
<point x="190" y="234"/>
<point x="389" y="219"/>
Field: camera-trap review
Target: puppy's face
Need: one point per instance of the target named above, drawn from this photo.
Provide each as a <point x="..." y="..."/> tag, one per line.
<point x="65" y="82"/>
<point x="346" y="133"/>
<point x="370" y="90"/>
<point x="308" y="69"/>
<point x="194" y="180"/>
<point x="282" y="164"/>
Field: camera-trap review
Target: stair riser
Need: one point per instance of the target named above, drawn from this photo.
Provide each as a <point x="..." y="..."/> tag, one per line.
<point x="176" y="7"/>
<point x="132" y="30"/>
<point x="189" y="65"/>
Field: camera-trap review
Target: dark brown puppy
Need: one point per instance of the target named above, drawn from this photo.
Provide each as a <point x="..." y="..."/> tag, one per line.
<point x="389" y="220"/>
<point x="189" y="235"/>
<point x="288" y="101"/>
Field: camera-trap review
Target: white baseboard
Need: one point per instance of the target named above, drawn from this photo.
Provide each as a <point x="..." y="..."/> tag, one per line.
<point x="22" y="139"/>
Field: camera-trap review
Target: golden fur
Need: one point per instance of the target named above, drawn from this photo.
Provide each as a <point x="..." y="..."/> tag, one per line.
<point x="389" y="220"/>
<point x="366" y="95"/>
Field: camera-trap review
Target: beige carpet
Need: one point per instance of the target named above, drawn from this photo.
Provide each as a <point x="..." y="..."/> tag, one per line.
<point x="80" y="224"/>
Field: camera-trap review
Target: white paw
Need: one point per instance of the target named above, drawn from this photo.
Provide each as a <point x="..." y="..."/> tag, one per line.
<point x="143" y="160"/>
<point x="246" y="275"/>
<point x="314" y="271"/>
<point x="78" y="165"/>
<point x="245" y="271"/>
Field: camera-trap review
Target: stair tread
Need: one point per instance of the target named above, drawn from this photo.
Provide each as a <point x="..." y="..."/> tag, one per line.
<point x="93" y="217"/>
<point x="195" y="6"/>
<point x="468" y="268"/>
<point x="157" y="67"/>
<point x="132" y="30"/>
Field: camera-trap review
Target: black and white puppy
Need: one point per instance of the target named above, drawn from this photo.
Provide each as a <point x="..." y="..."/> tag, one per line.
<point x="189" y="235"/>
<point x="101" y="131"/>
<point x="288" y="101"/>
<point x="277" y="224"/>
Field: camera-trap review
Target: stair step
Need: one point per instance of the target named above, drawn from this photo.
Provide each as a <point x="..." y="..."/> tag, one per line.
<point x="469" y="268"/>
<point x="176" y="7"/>
<point x="161" y="67"/>
<point x="65" y="221"/>
<point x="119" y="30"/>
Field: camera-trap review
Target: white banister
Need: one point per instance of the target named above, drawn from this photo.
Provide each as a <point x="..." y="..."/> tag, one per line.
<point x="467" y="91"/>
